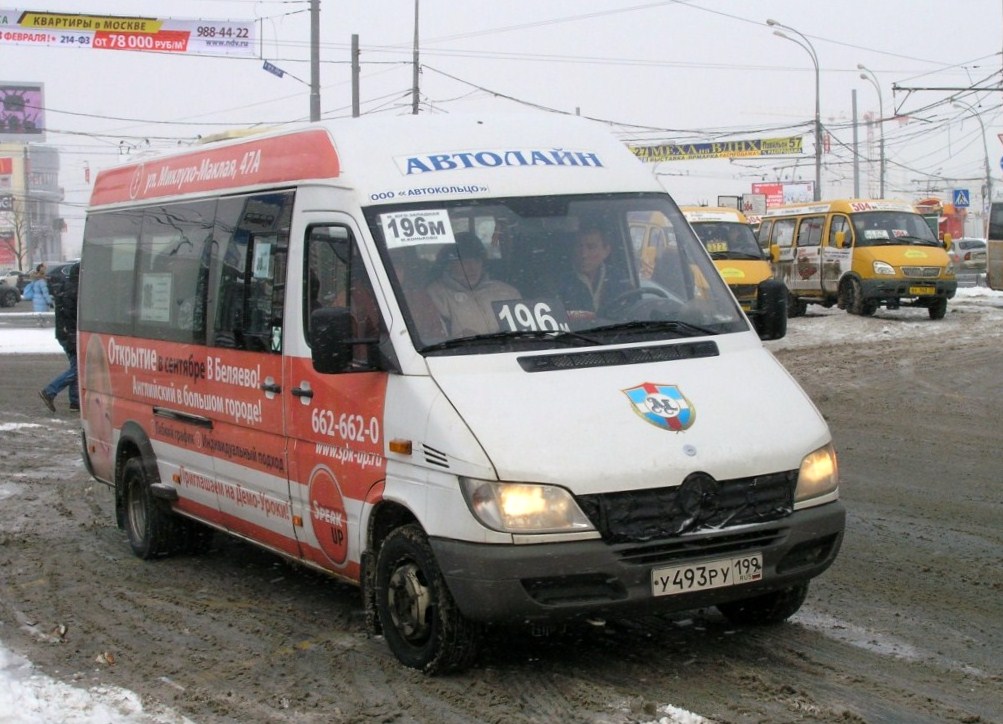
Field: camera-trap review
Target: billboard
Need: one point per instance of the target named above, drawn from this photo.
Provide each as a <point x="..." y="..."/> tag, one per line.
<point x="781" y="193"/>
<point x="22" y="112"/>
<point x="111" y="32"/>
<point x="750" y="148"/>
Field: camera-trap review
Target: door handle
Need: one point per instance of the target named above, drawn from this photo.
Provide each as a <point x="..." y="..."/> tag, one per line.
<point x="302" y="392"/>
<point x="271" y="387"/>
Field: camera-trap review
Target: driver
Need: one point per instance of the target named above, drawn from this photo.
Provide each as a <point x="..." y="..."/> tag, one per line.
<point x="591" y="283"/>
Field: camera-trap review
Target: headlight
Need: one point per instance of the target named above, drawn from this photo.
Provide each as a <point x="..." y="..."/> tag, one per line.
<point x="523" y="507"/>
<point x="950" y="268"/>
<point x="819" y="474"/>
<point x="883" y="267"/>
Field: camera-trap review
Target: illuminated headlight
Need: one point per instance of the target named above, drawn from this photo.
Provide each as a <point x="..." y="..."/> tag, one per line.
<point x="883" y="267"/>
<point x="819" y="474"/>
<point x="523" y="507"/>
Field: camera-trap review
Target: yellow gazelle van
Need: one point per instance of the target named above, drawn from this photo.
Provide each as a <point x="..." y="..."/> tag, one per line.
<point x="859" y="254"/>
<point x="731" y="243"/>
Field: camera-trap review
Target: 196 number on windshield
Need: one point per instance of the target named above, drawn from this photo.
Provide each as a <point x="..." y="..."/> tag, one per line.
<point x="532" y="315"/>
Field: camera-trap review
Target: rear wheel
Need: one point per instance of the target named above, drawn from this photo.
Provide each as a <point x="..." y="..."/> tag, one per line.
<point x="8" y="296"/>
<point x="938" y="308"/>
<point x="420" y="621"/>
<point x="147" y="525"/>
<point x="770" y="608"/>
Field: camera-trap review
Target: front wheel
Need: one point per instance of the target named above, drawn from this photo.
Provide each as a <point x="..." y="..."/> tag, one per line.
<point x="938" y="308"/>
<point x="796" y="306"/>
<point x="855" y="302"/>
<point x="147" y="525"/>
<point x="770" y="608"/>
<point x="420" y="621"/>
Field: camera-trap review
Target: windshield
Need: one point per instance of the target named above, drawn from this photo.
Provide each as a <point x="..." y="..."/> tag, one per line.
<point x="728" y="239"/>
<point x="526" y="272"/>
<point x="877" y="228"/>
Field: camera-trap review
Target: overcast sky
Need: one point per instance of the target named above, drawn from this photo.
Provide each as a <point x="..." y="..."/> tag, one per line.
<point x="664" y="71"/>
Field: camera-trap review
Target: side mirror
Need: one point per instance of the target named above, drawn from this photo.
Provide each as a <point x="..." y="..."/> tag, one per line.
<point x="332" y="340"/>
<point x="774" y="253"/>
<point x="948" y="242"/>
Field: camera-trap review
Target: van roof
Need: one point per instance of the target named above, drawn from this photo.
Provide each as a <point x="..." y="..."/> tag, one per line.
<point x="844" y="205"/>
<point x="696" y="214"/>
<point x="399" y="158"/>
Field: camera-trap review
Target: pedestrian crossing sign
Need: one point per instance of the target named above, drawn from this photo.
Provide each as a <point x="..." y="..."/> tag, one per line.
<point x="961" y="198"/>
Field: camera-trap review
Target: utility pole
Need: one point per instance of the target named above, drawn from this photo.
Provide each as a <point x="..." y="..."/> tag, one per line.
<point x="26" y="206"/>
<point x="856" y="155"/>
<point x="355" y="75"/>
<point x="414" y="69"/>
<point x="314" y="60"/>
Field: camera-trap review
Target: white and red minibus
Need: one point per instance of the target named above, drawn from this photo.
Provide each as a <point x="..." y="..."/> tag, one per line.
<point x="418" y="354"/>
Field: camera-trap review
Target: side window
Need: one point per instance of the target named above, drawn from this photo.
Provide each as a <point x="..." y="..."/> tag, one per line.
<point x="783" y="232"/>
<point x="172" y="271"/>
<point x="109" y="278"/>
<point x="810" y="231"/>
<point x="839" y="223"/>
<point x="250" y="272"/>
<point x="336" y="277"/>
<point x="763" y="235"/>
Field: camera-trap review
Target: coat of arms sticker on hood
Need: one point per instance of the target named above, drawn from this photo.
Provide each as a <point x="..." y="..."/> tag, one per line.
<point x="663" y="406"/>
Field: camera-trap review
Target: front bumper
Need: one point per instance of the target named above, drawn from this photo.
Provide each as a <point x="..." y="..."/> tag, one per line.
<point x="508" y="583"/>
<point x="877" y="289"/>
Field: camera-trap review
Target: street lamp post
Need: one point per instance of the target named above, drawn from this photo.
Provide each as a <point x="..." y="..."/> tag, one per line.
<point x="869" y="76"/>
<point x="988" y="196"/>
<point x="806" y="44"/>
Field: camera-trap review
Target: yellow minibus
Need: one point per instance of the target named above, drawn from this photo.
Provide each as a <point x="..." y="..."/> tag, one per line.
<point x="859" y="254"/>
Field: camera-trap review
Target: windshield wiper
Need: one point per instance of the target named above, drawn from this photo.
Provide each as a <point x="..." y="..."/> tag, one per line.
<point x="568" y="338"/>
<point x="919" y="239"/>
<point x="683" y="329"/>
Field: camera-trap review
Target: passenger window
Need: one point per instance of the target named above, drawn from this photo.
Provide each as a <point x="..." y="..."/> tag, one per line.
<point x="810" y="231"/>
<point x="249" y="279"/>
<point x="172" y="271"/>
<point x="783" y="232"/>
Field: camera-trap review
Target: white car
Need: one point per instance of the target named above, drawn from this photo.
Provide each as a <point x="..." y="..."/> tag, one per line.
<point x="968" y="254"/>
<point x="9" y="292"/>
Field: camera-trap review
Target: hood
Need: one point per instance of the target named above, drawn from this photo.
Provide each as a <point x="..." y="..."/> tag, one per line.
<point x="735" y="414"/>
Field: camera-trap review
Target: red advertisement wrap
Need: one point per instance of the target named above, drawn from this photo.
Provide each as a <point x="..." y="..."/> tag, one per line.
<point x="337" y="460"/>
<point x="290" y="471"/>
<point x="295" y="157"/>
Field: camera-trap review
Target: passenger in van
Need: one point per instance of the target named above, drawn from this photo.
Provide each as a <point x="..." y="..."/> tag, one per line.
<point x="423" y="311"/>
<point x="591" y="283"/>
<point x="463" y="293"/>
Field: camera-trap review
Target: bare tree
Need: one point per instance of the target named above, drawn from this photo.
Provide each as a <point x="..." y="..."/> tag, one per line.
<point x="15" y="241"/>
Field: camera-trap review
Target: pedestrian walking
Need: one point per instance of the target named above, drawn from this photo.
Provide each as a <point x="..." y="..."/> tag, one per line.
<point x="66" y="335"/>
<point x="37" y="292"/>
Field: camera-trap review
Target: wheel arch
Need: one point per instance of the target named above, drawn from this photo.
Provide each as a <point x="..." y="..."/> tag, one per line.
<point x="386" y="516"/>
<point x="132" y="442"/>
